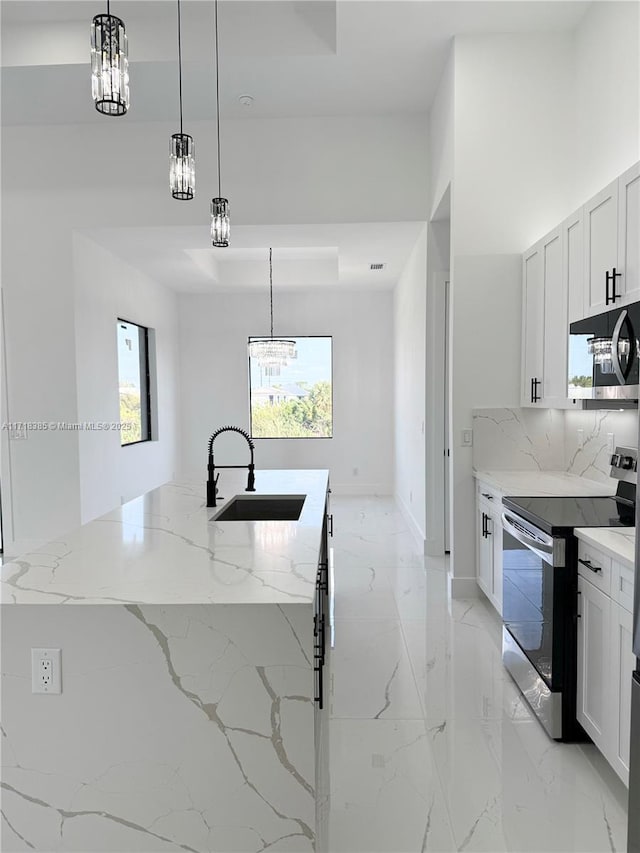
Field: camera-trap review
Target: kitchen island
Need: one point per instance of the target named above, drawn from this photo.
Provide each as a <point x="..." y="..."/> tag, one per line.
<point x="187" y="718"/>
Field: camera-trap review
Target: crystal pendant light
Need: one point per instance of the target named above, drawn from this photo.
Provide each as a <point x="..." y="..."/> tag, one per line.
<point x="109" y="64"/>
<point x="271" y="353"/>
<point x="220" y="220"/>
<point x="182" y="164"/>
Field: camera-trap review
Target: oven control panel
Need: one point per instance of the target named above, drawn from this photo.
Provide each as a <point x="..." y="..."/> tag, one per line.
<point x="624" y="464"/>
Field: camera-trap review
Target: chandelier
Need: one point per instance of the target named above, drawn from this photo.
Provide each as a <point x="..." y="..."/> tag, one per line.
<point x="272" y="354"/>
<point x="601" y="350"/>
<point x="182" y="164"/>
<point x="109" y="65"/>
<point x="220" y="219"/>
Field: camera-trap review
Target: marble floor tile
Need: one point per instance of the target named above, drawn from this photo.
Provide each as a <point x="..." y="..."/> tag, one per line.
<point x="370" y="674"/>
<point x="385" y="793"/>
<point x="492" y="778"/>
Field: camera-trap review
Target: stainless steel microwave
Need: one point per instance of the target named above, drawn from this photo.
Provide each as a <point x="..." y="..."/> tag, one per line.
<point x="604" y="356"/>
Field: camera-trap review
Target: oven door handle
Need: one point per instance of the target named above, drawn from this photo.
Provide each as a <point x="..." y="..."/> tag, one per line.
<point x="540" y="548"/>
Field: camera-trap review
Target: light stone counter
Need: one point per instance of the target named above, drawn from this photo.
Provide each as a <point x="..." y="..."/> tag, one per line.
<point x="187" y="718"/>
<point x="162" y="548"/>
<point x="543" y="483"/>
<point x="618" y="542"/>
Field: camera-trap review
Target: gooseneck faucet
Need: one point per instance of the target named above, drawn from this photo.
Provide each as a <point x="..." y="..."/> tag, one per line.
<point x="212" y="480"/>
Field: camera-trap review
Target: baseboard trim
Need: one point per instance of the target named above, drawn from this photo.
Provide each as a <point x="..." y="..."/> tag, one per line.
<point x="413" y="525"/>
<point x="462" y="587"/>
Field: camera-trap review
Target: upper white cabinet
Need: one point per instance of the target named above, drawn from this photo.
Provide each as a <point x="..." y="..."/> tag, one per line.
<point x="532" y="325"/>
<point x="629" y="234"/>
<point x="612" y="245"/>
<point x="600" y="222"/>
<point x="573" y="265"/>
<point x="545" y="323"/>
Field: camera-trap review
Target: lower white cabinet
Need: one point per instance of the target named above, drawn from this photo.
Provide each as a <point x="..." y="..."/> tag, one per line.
<point x="489" y="545"/>
<point x="605" y="665"/>
<point x="594" y="611"/>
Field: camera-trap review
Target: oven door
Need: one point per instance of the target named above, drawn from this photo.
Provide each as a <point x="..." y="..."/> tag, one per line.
<point x="530" y="563"/>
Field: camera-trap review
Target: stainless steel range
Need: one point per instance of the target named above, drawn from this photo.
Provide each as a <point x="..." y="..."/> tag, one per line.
<point x="539" y="607"/>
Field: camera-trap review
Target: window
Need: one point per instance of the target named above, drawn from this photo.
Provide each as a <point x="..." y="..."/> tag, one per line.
<point x="133" y="376"/>
<point x="296" y="400"/>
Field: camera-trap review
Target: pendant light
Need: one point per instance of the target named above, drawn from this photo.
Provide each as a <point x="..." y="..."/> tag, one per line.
<point x="220" y="221"/>
<point x="271" y="353"/>
<point x="109" y="64"/>
<point x="182" y="151"/>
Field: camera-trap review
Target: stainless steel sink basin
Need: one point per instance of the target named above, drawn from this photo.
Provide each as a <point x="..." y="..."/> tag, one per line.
<point x="262" y="508"/>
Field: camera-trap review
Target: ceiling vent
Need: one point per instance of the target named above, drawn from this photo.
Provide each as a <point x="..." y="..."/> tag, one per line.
<point x="376" y="266"/>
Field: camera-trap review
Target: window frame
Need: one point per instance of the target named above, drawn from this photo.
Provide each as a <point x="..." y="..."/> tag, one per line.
<point x="144" y="375"/>
<point x="288" y="437"/>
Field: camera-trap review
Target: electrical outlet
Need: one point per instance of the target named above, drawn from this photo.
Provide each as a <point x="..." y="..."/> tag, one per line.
<point x="46" y="671"/>
<point x="580" y="437"/>
<point x="611" y="443"/>
<point x="467" y="437"/>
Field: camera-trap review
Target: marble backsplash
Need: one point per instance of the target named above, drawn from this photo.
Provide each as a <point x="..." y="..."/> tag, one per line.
<point x="549" y="439"/>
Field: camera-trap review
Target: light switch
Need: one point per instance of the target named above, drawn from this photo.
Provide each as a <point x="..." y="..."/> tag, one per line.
<point x="467" y="437"/>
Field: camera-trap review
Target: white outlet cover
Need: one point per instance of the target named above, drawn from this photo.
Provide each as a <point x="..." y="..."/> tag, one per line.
<point x="611" y="442"/>
<point x="467" y="437"/>
<point x="46" y="671"/>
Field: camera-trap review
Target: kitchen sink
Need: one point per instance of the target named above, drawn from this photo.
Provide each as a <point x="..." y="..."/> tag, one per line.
<point x="262" y="508"/>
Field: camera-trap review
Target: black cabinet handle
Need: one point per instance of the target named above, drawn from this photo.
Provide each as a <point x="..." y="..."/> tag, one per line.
<point x="484" y="525"/>
<point x="330" y="517"/>
<point x="590" y="566"/>
<point x="535" y="397"/>
<point x="610" y="279"/>
<point x="487" y="496"/>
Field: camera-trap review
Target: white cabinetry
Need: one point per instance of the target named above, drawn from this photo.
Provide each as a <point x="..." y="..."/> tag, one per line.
<point x="532" y="326"/>
<point x="605" y="655"/>
<point x="587" y="265"/>
<point x="573" y="265"/>
<point x="593" y="643"/>
<point x="612" y="244"/>
<point x="600" y="217"/>
<point x="489" y="543"/>
<point x="629" y="235"/>
<point x="545" y="324"/>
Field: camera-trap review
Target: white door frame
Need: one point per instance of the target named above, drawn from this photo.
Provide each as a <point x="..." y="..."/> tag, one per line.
<point x="435" y="437"/>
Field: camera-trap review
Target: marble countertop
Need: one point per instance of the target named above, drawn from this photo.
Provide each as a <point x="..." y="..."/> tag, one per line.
<point x="162" y="548"/>
<point x="619" y="543"/>
<point x="543" y="483"/>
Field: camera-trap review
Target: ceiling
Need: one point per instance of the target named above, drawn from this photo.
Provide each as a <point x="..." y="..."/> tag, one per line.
<point x="304" y="256"/>
<point x="296" y="58"/>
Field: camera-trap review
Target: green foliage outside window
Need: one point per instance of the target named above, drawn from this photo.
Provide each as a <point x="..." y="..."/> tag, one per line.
<point x="581" y="381"/>
<point x="130" y="417"/>
<point x="307" y="417"/>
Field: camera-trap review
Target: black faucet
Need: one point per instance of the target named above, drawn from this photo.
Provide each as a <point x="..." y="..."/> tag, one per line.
<point x="212" y="480"/>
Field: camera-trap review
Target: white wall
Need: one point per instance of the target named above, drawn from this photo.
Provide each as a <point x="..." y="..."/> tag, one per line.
<point x="410" y="319"/>
<point x="607" y="96"/>
<point x="511" y="155"/>
<point x="513" y="117"/>
<point x="277" y="171"/>
<point x="441" y="135"/>
<point x="107" y="289"/>
<point x="214" y="381"/>
<point x="486" y="304"/>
